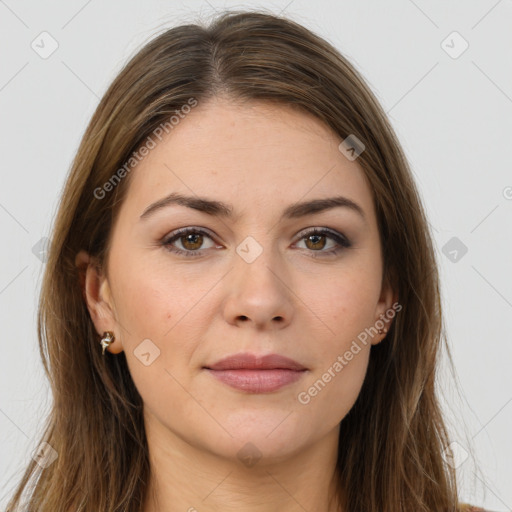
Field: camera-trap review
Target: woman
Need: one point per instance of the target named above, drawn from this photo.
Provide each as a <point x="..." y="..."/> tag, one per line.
<point x="241" y="303"/>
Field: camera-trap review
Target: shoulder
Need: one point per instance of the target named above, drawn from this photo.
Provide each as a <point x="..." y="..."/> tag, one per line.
<point x="465" y="507"/>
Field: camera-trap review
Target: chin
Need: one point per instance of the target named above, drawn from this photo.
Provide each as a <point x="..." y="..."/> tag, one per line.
<point x="266" y="437"/>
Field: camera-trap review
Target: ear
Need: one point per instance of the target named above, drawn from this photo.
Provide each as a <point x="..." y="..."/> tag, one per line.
<point x="97" y="295"/>
<point x="386" y="310"/>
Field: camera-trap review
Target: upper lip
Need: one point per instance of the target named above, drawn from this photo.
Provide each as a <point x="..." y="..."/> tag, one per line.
<point x="254" y="362"/>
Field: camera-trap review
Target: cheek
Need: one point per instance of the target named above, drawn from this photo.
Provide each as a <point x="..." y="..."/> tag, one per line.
<point x="150" y="298"/>
<point x="330" y="393"/>
<point x="348" y="309"/>
<point x="151" y="305"/>
<point x="349" y="380"/>
<point x="155" y="302"/>
<point x="349" y="303"/>
<point x="145" y="305"/>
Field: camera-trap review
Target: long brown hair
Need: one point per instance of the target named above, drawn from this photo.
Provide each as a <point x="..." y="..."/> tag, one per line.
<point x="392" y="440"/>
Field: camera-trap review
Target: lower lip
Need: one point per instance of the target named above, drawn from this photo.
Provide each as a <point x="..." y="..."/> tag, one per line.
<point x="257" y="381"/>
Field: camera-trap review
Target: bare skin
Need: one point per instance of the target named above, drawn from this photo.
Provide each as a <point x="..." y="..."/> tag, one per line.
<point x="260" y="159"/>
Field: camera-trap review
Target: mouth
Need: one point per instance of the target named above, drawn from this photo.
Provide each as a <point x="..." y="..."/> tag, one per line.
<point x="257" y="381"/>
<point x="257" y="374"/>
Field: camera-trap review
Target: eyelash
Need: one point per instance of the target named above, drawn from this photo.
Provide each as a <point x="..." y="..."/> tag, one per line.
<point x="341" y="240"/>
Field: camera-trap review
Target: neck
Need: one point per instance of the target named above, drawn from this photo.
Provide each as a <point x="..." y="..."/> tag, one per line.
<point x="187" y="478"/>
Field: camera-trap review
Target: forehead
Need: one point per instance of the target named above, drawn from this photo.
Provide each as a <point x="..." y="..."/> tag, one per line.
<point x="252" y="155"/>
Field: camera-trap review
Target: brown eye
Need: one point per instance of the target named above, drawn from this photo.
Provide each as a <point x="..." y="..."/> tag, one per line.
<point x="190" y="239"/>
<point x="315" y="241"/>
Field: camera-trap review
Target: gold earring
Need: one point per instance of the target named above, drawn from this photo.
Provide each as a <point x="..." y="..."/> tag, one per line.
<point x="106" y="340"/>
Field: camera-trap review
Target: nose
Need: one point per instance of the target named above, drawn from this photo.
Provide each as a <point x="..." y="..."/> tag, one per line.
<point x="257" y="294"/>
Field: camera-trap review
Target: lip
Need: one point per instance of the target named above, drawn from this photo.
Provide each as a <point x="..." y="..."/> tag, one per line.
<point x="257" y="381"/>
<point x="257" y="374"/>
<point x="246" y="361"/>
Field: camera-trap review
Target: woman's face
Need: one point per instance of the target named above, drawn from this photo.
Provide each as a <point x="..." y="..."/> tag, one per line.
<point x="254" y="282"/>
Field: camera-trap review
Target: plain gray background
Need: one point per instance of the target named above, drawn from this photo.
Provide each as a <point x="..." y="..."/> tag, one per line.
<point x="450" y="105"/>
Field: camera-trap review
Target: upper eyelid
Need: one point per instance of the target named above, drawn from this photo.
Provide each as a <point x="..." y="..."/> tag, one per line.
<point x="299" y="236"/>
<point x="181" y="231"/>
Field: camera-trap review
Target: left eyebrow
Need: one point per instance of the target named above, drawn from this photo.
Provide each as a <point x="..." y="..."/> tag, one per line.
<point x="220" y="209"/>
